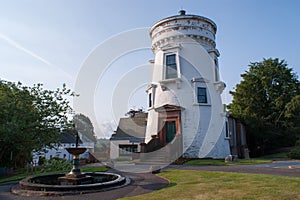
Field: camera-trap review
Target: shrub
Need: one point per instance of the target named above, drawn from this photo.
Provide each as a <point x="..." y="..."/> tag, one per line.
<point x="294" y="153"/>
<point x="42" y="160"/>
<point x="58" y="164"/>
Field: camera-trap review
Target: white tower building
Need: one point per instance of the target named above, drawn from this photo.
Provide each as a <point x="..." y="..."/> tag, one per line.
<point x="185" y="110"/>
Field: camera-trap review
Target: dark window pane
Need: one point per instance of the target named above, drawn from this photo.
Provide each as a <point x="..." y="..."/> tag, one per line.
<point x="150" y="100"/>
<point x="171" y="67"/>
<point x="171" y="59"/>
<point x="227" y="130"/>
<point x="201" y="95"/>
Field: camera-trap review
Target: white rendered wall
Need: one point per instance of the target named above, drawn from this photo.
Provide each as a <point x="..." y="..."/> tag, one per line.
<point x="202" y="125"/>
<point x="114" y="147"/>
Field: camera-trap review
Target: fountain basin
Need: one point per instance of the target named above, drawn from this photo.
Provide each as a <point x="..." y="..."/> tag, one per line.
<point x="47" y="184"/>
<point x="76" y="150"/>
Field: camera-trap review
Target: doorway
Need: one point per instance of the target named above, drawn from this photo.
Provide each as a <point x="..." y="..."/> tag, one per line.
<point x="170" y="127"/>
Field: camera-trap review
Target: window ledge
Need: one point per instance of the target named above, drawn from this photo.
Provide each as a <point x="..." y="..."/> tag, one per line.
<point x="201" y="104"/>
<point x="171" y="80"/>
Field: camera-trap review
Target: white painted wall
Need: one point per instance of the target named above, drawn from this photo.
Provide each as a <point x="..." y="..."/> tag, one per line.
<point x="61" y="152"/>
<point x="203" y="130"/>
<point x="114" y="147"/>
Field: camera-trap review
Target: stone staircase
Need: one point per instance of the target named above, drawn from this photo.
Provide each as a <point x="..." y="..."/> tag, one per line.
<point x="155" y="157"/>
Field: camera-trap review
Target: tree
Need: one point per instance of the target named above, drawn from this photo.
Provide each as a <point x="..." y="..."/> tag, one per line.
<point x="292" y="113"/>
<point x="84" y="125"/>
<point x="31" y="118"/>
<point x="262" y="101"/>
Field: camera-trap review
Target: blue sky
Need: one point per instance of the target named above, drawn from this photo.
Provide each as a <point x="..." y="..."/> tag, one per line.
<point x="47" y="41"/>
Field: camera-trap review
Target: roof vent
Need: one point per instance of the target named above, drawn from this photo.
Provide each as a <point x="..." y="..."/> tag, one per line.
<point x="181" y="12"/>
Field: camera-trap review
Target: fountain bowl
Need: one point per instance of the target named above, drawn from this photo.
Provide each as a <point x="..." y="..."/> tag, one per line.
<point x="46" y="185"/>
<point x="76" y="150"/>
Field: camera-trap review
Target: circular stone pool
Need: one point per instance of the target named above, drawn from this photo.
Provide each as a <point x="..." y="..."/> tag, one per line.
<point x="51" y="185"/>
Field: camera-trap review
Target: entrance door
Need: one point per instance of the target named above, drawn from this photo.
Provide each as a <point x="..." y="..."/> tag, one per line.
<point x="170" y="131"/>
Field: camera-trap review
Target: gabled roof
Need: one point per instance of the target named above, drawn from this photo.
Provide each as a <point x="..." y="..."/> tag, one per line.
<point x="131" y="128"/>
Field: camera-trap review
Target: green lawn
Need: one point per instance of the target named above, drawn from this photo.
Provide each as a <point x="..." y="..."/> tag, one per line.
<point x="282" y="155"/>
<point x="223" y="163"/>
<point x="191" y="184"/>
<point x="22" y="173"/>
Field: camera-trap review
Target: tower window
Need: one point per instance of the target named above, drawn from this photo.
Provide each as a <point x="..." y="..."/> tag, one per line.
<point x="227" y="135"/>
<point x="201" y="95"/>
<point x="150" y="100"/>
<point x="171" y="66"/>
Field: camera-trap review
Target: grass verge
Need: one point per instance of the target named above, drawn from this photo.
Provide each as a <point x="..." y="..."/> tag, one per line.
<point x="22" y="173"/>
<point x="192" y="184"/>
<point x="223" y="163"/>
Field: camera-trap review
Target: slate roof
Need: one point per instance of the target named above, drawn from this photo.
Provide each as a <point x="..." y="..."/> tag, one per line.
<point x="131" y="128"/>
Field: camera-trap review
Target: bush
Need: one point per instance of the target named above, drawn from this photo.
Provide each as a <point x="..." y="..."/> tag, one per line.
<point x="297" y="144"/>
<point x="58" y="164"/>
<point x="42" y="160"/>
<point x="294" y="153"/>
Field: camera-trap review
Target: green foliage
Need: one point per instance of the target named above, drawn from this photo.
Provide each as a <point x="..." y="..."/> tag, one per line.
<point x="84" y="125"/>
<point x="295" y="152"/>
<point x="31" y="118"/>
<point x="266" y="101"/>
<point x="275" y="156"/>
<point x="42" y="160"/>
<point x="102" y="145"/>
<point x="57" y="164"/>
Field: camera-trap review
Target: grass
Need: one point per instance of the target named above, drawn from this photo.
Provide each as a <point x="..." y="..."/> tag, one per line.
<point x="192" y="184"/>
<point x="22" y="173"/>
<point x="283" y="155"/>
<point x="94" y="169"/>
<point x="214" y="162"/>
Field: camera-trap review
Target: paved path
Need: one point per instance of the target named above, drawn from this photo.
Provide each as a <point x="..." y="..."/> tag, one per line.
<point x="145" y="182"/>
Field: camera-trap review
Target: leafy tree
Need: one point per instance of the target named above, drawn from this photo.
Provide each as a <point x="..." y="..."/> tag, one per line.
<point x="84" y="125"/>
<point x="31" y="118"/>
<point x="292" y="113"/>
<point x="264" y="100"/>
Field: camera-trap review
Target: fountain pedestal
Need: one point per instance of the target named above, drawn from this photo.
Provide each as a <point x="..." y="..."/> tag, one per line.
<point x="75" y="177"/>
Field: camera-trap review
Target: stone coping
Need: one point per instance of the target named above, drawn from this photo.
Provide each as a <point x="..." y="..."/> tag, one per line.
<point x="25" y="188"/>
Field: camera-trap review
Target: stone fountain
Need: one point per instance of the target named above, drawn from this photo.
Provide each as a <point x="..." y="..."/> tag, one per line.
<point x="73" y="182"/>
<point x="75" y="177"/>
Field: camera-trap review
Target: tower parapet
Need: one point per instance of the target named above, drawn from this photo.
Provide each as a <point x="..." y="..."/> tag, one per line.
<point x="176" y="28"/>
